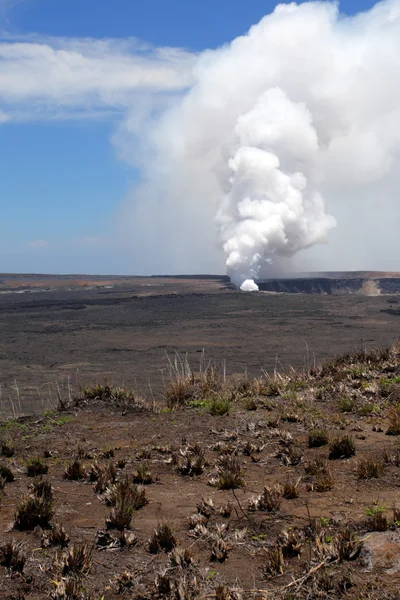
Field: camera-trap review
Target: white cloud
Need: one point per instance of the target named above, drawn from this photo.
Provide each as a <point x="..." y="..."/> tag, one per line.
<point x="297" y="120"/>
<point x="37" y="244"/>
<point x="62" y="77"/>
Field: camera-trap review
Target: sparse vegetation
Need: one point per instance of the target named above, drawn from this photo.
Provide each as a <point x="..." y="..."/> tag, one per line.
<point x="347" y="545"/>
<point x="163" y="538"/>
<point x="56" y="536"/>
<point x="7" y="449"/>
<point x="75" y="470"/>
<point x="185" y="385"/>
<point x="291" y="489"/>
<point x="291" y="542"/>
<point x="270" y="500"/>
<point x="33" y="511"/>
<point x="284" y="443"/>
<point x="6" y="473"/>
<point x="347" y="404"/>
<point x="368" y="468"/>
<point x="376" y="518"/>
<point x="13" y="557"/>
<point x="342" y="447"/>
<point x="75" y="561"/>
<point x="394" y="421"/>
<point x="143" y="475"/>
<point x="110" y="395"/>
<point x="318" y="437"/>
<point x="125" y="498"/>
<point x="36" y="466"/>
<point x="190" y="461"/>
<point x="230" y="474"/>
<point x="274" y="563"/>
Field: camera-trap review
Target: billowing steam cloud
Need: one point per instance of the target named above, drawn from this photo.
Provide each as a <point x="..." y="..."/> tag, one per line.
<point x="271" y="207"/>
<point x="302" y="111"/>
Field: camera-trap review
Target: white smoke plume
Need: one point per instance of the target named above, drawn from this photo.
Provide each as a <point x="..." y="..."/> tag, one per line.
<point x="294" y="122"/>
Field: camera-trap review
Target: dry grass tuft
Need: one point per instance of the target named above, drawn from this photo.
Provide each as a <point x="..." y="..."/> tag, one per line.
<point x="291" y="455"/>
<point x="36" y="466"/>
<point x="342" y="447"/>
<point x="291" y="489"/>
<point x="347" y="404"/>
<point x="143" y="475"/>
<point x="291" y="542"/>
<point x="186" y="386"/>
<point x="120" y="397"/>
<point x="275" y="564"/>
<point x="56" y="536"/>
<point x="103" y="476"/>
<point x="125" y="499"/>
<point x="6" y="448"/>
<point x="313" y="467"/>
<point x="219" y="405"/>
<point x="181" y="558"/>
<point x="42" y="489"/>
<point x="394" y="421"/>
<point x="347" y="545"/>
<point x="376" y="519"/>
<point x="124" y="582"/>
<point x="318" y="437"/>
<point x="125" y="488"/>
<point x="76" y="561"/>
<point x="206" y="507"/>
<point x="369" y="468"/>
<point x="230" y="474"/>
<point x="12" y="557"/>
<point x="163" y="538"/>
<point x="75" y="470"/>
<point x="322" y="476"/>
<point x="196" y="519"/>
<point x="35" y="509"/>
<point x="190" y="461"/>
<point x="323" y="481"/>
<point x="219" y="550"/>
<point x="270" y="500"/>
<point x="6" y="473"/>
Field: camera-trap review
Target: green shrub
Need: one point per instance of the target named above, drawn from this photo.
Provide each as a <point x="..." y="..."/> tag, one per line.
<point x="219" y="405"/>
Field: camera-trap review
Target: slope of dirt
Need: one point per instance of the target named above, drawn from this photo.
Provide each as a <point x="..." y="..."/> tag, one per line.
<point x="331" y="534"/>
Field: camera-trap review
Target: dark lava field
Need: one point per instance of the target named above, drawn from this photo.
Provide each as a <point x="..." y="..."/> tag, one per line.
<point x="125" y="331"/>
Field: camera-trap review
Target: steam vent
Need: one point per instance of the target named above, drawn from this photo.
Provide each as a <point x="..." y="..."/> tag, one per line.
<point x="365" y="283"/>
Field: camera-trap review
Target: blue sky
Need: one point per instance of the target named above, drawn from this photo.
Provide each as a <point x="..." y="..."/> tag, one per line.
<point x="70" y="73"/>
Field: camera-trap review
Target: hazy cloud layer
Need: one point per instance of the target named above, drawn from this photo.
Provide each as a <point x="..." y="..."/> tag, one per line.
<point x="37" y="244"/>
<point x="40" y="78"/>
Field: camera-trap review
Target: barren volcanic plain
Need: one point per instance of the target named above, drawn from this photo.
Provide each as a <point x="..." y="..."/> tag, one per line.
<point x="123" y="329"/>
